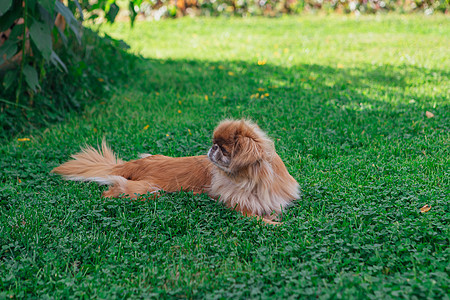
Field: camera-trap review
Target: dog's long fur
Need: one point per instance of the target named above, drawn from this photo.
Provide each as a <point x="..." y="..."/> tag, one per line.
<point x="242" y="170"/>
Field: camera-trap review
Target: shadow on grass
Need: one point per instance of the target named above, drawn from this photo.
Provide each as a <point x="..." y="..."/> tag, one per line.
<point x="334" y="103"/>
<point x="102" y="69"/>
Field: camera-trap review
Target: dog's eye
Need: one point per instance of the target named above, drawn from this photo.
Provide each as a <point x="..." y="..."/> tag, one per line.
<point x="223" y="150"/>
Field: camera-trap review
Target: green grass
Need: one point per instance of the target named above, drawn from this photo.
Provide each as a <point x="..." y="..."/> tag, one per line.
<point x="346" y="109"/>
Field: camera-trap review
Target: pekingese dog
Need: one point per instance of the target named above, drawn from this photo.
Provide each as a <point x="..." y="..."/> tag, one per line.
<point x="241" y="169"/>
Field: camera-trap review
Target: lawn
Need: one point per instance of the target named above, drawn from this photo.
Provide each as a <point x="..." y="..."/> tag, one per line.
<point x="344" y="99"/>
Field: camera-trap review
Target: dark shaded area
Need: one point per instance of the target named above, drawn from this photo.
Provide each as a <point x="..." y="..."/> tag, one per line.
<point x="95" y="69"/>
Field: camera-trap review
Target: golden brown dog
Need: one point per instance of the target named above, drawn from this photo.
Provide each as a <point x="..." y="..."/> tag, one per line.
<point x="242" y="170"/>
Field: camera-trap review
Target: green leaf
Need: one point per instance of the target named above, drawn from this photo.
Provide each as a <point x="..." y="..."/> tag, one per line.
<point x="31" y="6"/>
<point x="70" y="19"/>
<point x="5" y="5"/>
<point x="49" y="6"/>
<point x="54" y="58"/>
<point x="112" y="12"/>
<point x="133" y="12"/>
<point x="9" y="78"/>
<point x="12" y="15"/>
<point x="7" y="50"/>
<point x="16" y="32"/>
<point x="44" y="16"/>
<point x="31" y="77"/>
<point x="41" y="36"/>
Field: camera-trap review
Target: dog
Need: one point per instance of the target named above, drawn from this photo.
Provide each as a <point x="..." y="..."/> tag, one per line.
<point x="241" y="170"/>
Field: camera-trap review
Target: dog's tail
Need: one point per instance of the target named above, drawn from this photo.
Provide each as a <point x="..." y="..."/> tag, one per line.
<point x="91" y="165"/>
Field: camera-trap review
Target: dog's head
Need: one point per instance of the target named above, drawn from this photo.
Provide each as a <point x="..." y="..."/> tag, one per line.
<point x="238" y="145"/>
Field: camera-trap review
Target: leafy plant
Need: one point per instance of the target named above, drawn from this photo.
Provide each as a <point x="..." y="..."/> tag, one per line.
<point x="30" y="34"/>
<point x="32" y="31"/>
<point x="167" y="8"/>
<point x="107" y="9"/>
<point x="92" y="76"/>
<point x="48" y="61"/>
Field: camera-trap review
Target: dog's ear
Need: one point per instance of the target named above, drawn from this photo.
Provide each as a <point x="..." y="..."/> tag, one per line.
<point x="247" y="152"/>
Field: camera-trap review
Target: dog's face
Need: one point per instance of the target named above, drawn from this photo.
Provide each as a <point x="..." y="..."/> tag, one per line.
<point x="221" y="152"/>
<point x="239" y="144"/>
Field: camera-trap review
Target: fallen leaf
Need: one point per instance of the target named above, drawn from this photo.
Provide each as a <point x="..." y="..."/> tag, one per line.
<point x="425" y="208"/>
<point x="146" y="127"/>
<point x="23" y="139"/>
<point x="429" y="114"/>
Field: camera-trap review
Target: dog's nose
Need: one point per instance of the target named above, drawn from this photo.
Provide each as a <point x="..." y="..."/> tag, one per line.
<point x="214" y="147"/>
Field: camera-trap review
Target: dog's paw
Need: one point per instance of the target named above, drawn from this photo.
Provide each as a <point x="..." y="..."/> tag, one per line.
<point x="267" y="221"/>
